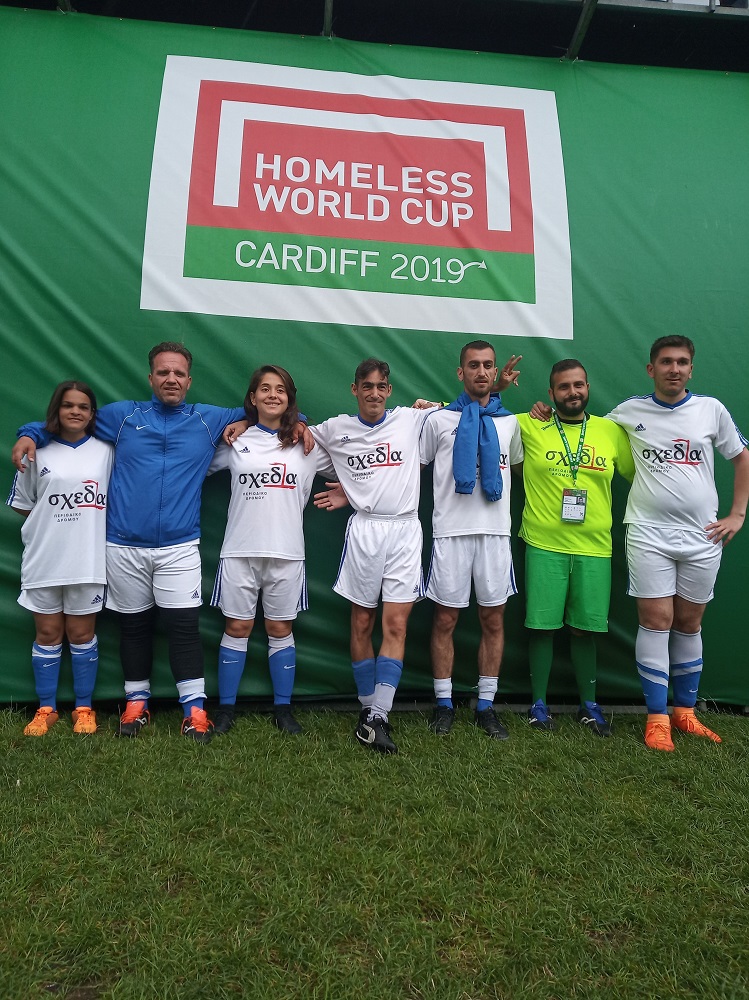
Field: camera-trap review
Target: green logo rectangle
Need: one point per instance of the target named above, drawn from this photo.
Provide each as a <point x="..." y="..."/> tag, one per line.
<point x="358" y="265"/>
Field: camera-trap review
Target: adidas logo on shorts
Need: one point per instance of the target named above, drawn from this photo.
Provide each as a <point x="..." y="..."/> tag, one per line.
<point x="244" y="451"/>
<point x="98" y="599"/>
<point x="44" y="472"/>
<point x="640" y="427"/>
<point x="195" y="595"/>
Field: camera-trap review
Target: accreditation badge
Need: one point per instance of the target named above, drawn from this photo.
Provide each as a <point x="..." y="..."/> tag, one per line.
<point x="574" y="504"/>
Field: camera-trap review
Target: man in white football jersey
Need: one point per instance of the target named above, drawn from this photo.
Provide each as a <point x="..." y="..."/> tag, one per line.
<point x="674" y="535"/>
<point x="472" y="442"/>
<point x="375" y="454"/>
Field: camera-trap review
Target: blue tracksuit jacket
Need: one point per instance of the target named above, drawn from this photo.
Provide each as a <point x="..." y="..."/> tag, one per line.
<point x="161" y="457"/>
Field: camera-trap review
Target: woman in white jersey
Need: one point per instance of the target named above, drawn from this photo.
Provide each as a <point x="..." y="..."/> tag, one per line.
<point x="263" y="548"/>
<point x="63" y="498"/>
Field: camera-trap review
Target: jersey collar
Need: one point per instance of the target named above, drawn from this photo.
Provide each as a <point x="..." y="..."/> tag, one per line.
<point x="71" y="444"/>
<point x="671" y="406"/>
<point x="375" y="424"/>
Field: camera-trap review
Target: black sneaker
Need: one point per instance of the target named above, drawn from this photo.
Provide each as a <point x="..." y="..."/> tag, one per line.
<point x="488" y="721"/>
<point x="375" y="735"/>
<point x="285" y="721"/>
<point x="442" y="720"/>
<point x="197" y="726"/>
<point x="133" y="719"/>
<point x="591" y="715"/>
<point x="223" y="720"/>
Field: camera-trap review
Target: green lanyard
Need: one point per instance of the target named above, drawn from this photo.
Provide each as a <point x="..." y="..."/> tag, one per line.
<point x="574" y="461"/>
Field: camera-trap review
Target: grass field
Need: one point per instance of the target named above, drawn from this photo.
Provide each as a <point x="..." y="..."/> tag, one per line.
<point x="262" y="866"/>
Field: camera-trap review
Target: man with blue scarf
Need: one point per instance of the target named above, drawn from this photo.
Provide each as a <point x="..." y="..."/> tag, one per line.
<point x="473" y="442"/>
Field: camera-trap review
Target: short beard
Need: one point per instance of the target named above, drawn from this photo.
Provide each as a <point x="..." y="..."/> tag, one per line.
<point x="563" y="411"/>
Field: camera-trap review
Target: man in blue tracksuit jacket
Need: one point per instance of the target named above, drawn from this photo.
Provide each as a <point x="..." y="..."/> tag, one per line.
<point x="162" y="451"/>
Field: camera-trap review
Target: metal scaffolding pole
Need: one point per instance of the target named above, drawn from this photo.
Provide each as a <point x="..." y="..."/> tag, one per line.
<point x="327" y="27"/>
<point x="583" y="23"/>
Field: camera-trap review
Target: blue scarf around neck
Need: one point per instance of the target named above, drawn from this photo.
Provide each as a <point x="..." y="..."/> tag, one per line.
<point x="476" y="437"/>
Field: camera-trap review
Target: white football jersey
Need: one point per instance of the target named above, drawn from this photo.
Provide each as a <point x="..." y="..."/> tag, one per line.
<point x="467" y="514"/>
<point x="673" y="446"/>
<point x="64" y="536"/>
<point x="378" y="465"/>
<point x="270" y="487"/>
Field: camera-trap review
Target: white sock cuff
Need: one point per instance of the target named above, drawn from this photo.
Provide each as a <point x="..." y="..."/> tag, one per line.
<point x="275" y="644"/>
<point x="230" y="642"/>
<point x="443" y="687"/>
<point x="132" y="686"/>
<point x="83" y="646"/>
<point x="651" y="649"/>
<point x="49" y="649"/>
<point x="685" y="647"/>
<point x="487" y="687"/>
<point x="191" y="690"/>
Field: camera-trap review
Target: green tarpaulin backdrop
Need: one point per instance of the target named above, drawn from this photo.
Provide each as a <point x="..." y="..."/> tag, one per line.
<point x="658" y="208"/>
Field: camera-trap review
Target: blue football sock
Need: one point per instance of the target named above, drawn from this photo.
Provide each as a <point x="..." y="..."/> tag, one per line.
<point x="364" y="678"/>
<point x="282" y="666"/>
<point x="651" y="653"/>
<point x="232" y="656"/>
<point x="139" y="696"/>
<point x="191" y="694"/>
<point x="45" y="661"/>
<point x="387" y="676"/>
<point x="85" y="662"/>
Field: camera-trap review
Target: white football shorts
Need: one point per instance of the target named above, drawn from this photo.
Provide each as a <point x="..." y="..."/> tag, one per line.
<point x="667" y="561"/>
<point x="240" y="579"/>
<point x="381" y="555"/>
<point x="139" y="578"/>
<point x="484" y="559"/>
<point x="70" y="598"/>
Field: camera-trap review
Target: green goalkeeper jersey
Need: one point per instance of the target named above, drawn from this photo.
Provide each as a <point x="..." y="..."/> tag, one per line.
<point x="547" y="474"/>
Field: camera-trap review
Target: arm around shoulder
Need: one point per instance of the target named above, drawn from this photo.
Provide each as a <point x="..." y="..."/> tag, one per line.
<point x="30" y="436"/>
<point x="25" y="447"/>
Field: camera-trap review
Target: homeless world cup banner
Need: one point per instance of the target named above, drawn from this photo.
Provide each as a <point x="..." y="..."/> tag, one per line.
<point x="297" y="194"/>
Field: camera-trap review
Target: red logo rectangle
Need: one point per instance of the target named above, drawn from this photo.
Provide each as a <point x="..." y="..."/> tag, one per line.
<point x="360" y="183"/>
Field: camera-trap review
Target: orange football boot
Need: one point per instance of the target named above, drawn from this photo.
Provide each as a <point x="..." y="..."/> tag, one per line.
<point x="686" y="721"/>
<point x="658" y="733"/>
